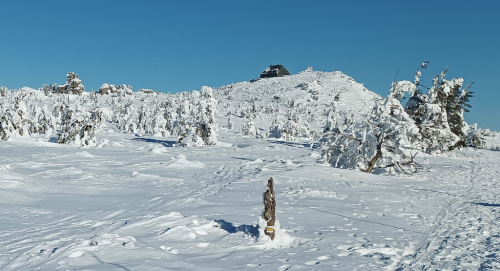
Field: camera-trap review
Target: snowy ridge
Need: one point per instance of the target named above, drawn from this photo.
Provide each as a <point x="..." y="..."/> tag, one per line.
<point x="309" y="93"/>
<point x="134" y="199"/>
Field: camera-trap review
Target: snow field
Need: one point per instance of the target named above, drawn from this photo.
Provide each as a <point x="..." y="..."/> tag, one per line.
<point x="115" y="207"/>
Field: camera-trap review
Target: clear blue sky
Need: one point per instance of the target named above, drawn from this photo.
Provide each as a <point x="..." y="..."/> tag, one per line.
<point x="182" y="45"/>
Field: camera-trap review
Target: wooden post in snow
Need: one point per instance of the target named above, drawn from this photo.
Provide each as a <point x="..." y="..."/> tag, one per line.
<point x="269" y="208"/>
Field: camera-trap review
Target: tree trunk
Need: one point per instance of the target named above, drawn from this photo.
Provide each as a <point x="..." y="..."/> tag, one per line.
<point x="270" y="208"/>
<point x="373" y="161"/>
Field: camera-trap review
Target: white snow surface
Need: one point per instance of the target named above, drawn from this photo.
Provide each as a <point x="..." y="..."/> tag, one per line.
<point x="137" y="203"/>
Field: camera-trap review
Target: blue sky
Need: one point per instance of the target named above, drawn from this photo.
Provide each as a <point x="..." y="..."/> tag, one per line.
<point x="182" y="45"/>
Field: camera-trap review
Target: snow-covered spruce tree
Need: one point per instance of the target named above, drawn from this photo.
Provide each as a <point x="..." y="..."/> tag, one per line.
<point x="143" y="123"/>
<point x="184" y="125"/>
<point x="6" y="127"/>
<point x="207" y="126"/>
<point x="383" y="140"/>
<point x="14" y="119"/>
<point x="79" y="126"/>
<point x="249" y="128"/>
<point x="196" y="119"/>
<point x="48" y="89"/>
<point x="3" y="91"/>
<point x="230" y="123"/>
<point x="275" y="129"/>
<point x="90" y="128"/>
<point x="475" y="137"/>
<point x="439" y="113"/>
<point x="159" y="124"/>
<point x="290" y="128"/>
<point x="338" y="120"/>
<point x="430" y="117"/>
<point x="124" y="116"/>
<point x="170" y="116"/>
<point x="42" y="120"/>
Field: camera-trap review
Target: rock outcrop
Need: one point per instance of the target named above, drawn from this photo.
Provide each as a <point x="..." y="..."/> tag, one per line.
<point x="73" y="85"/>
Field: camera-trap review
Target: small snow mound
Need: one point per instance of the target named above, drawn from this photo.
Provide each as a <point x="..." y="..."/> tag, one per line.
<point x="281" y="238"/>
<point x="85" y="154"/>
<point x="9" y="183"/>
<point x="76" y="254"/>
<point x="224" y="144"/>
<point x="203" y="245"/>
<point x="181" y="162"/>
<point x="25" y="138"/>
<point x="180" y="156"/>
<point x="103" y="142"/>
<point x="158" y="150"/>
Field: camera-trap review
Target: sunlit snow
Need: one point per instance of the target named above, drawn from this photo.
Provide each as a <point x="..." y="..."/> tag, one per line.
<point x="139" y="201"/>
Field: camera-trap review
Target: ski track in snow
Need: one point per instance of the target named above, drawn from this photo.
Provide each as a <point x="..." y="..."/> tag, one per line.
<point x="444" y="219"/>
<point x="72" y="235"/>
<point x="464" y="233"/>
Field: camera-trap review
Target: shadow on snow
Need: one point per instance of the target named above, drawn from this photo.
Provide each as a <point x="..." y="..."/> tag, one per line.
<point x="314" y="145"/>
<point x="166" y="143"/>
<point x="247" y="229"/>
<point x="485" y="204"/>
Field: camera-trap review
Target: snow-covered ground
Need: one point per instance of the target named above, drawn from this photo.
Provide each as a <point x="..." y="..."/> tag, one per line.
<point x="138" y="203"/>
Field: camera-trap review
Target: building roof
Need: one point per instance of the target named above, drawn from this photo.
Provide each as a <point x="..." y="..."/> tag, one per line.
<point x="275" y="71"/>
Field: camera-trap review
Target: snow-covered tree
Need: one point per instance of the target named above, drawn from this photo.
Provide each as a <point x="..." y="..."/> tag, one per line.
<point x="79" y="126"/>
<point x="383" y="140"/>
<point x="230" y="123"/>
<point x="275" y="129"/>
<point x="42" y="120"/>
<point x="14" y="119"/>
<point x="294" y="126"/>
<point x="439" y="113"/>
<point x="249" y="128"/>
<point x="159" y="124"/>
<point x="207" y="125"/>
<point x="196" y="123"/>
<point x="3" y="91"/>
<point x="475" y="137"/>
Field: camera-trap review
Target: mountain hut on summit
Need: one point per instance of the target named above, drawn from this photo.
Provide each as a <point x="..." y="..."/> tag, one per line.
<point x="274" y="71"/>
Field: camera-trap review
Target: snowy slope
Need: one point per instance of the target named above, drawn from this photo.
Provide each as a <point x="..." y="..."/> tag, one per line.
<point x="134" y="202"/>
<point x="307" y="91"/>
